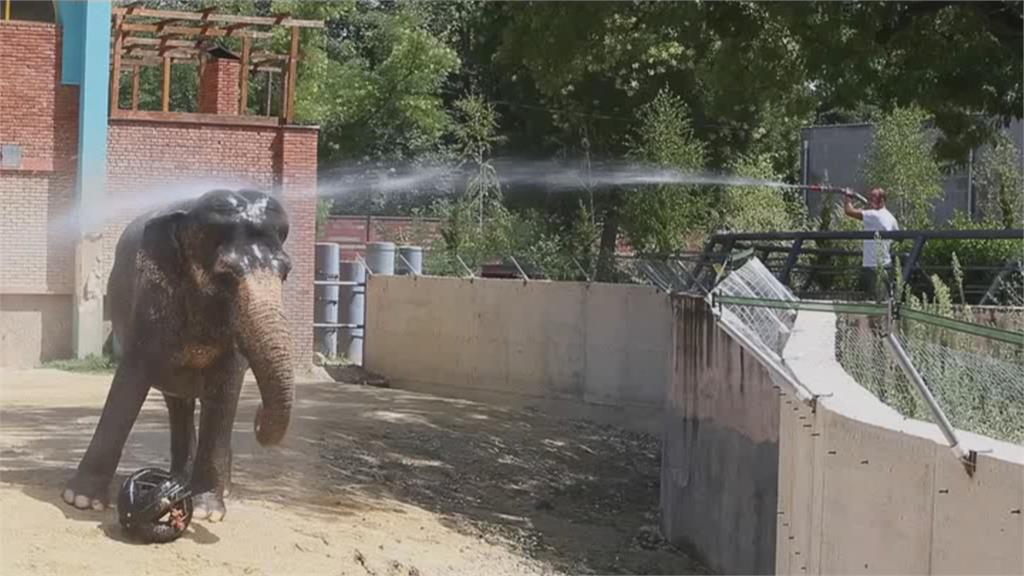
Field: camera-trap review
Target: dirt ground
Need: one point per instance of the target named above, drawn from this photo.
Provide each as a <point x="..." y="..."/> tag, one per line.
<point x="369" y="482"/>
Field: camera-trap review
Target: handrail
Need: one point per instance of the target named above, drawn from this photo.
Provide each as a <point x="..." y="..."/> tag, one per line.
<point x="989" y="234"/>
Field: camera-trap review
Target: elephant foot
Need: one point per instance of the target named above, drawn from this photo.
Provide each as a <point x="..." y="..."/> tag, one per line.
<point x="208" y="506"/>
<point x="87" y="492"/>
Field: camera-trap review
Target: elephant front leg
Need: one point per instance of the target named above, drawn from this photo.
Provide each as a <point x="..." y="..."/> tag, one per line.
<point x="211" y="473"/>
<point x="90" y="486"/>
<point x="183" y="434"/>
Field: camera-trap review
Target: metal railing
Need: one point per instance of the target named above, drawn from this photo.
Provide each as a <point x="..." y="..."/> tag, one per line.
<point x="809" y="262"/>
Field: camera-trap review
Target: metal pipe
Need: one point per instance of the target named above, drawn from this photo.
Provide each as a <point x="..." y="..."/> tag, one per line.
<point x="577" y="263"/>
<point x="806" y="169"/>
<point x="940" y="417"/>
<point x="466" y="268"/>
<point x="993" y="234"/>
<point x="518" y="267"/>
<point x="335" y="283"/>
<point x="828" y="190"/>
<point x="970" y="184"/>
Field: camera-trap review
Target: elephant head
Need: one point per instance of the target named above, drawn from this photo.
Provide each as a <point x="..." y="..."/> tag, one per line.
<point x="226" y="247"/>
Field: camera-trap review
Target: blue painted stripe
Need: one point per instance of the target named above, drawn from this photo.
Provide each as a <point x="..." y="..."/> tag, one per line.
<point x="93" y="113"/>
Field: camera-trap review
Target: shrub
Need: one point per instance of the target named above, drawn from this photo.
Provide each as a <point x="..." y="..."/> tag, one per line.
<point x="901" y="161"/>
<point x="659" y="219"/>
<point x="1001" y="182"/>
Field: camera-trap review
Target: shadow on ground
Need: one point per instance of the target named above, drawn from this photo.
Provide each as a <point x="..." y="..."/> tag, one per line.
<point x="579" y="496"/>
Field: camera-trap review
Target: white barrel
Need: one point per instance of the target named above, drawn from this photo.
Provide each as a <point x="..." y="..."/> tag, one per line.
<point x="409" y="261"/>
<point x="352" y="306"/>
<point x="380" y="258"/>
<point x="327" y="258"/>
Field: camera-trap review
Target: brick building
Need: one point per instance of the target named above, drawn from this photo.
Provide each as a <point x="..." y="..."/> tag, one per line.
<point x="73" y="165"/>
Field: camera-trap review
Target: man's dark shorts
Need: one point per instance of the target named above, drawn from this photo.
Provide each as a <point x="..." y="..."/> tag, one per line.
<point x="869" y="283"/>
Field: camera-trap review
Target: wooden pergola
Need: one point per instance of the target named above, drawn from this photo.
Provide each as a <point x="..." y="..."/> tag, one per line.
<point x="150" y="37"/>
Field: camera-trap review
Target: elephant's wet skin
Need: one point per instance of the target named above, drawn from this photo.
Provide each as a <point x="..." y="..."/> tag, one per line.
<point x="196" y="292"/>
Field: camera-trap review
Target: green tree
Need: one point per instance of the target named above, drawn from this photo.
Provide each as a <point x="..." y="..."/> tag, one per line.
<point x="475" y="136"/>
<point x="1001" y="181"/>
<point x="373" y="82"/>
<point x="659" y="219"/>
<point x="901" y="161"/>
<point x="759" y="208"/>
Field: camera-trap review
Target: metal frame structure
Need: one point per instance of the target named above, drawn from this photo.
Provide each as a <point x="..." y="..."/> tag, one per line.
<point x="151" y="37"/>
<point x="782" y="251"/>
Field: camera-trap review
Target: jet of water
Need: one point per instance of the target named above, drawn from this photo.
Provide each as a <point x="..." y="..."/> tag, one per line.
<point x="345" y="180"/>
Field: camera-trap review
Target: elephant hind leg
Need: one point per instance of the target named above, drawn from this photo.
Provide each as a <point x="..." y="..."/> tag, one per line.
<point x="181" y="412"/>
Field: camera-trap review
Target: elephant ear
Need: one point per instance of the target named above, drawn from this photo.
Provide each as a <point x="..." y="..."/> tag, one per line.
<point x="160" y="242"/>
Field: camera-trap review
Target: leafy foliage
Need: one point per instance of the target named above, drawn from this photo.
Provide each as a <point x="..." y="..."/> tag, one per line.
<point x="901" y="161"/>
<point x="989" y="253"/>
<point x="373" y="81"/>
<point x="716" y="85"/>
<point x="759" y="208"/>
<point x="92" y="364"/>
<point x="658" y="220"/>
<point x="1001" y="180"/>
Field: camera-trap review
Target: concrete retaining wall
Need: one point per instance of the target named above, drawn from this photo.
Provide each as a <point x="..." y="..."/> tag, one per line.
<point x="757" y="480"/>
<point x="720" y="450"/>
<point x="596" y="350"/>
<point x="864" y="490"/>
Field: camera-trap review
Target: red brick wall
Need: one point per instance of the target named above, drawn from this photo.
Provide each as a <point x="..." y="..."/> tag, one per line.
<point x="351" y="232"/>
<point x="218" y="87"/>
<point x="298" y="184"/>
<point x="151" y="163"/>
<point x="40" y="115"/>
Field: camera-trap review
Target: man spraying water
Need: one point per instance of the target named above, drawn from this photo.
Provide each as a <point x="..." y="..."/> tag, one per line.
<point x="876" y="218"/>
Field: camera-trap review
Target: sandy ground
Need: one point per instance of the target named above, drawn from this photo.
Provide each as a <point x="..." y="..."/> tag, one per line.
<point x="370" y="481"/>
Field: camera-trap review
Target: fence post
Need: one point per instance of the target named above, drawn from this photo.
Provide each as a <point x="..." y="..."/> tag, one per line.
<point x="969" y="460"/>
<point x="794" y="254"/>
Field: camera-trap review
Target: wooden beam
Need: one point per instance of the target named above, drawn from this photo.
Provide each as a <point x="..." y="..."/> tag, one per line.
<point x="196" y="118"/>
<point x="134" y="41"/>
<point x="243" y="78"/>
<point x="115" y="73"/>
<point x="165" y="95"/>
<point x="212" y="32"/>
<point x="136" y="71"/>
<point x="261" y="57"/>
<point x="166" y="22"/>
<point x="270" y="90"/>
<point x="222" y="18"/>
<point x="176" y="53"/>
<point x="150" y="61"/>
<point x="293" y="61"/>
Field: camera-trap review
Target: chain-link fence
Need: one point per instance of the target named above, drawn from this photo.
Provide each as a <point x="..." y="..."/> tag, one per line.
<point x="973" y="370"/>
<point x="977" y="380"/>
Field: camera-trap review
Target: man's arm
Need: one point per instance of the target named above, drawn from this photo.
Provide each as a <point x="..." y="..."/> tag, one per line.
<point x="848" y="206"/>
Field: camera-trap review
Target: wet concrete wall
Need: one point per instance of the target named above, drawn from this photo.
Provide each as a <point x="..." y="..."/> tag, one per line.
<point x="600" y="351"/>
<point x="720" y="448"/>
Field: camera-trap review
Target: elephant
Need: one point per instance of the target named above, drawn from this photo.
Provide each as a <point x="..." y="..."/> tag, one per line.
<point x="196" y="299"/>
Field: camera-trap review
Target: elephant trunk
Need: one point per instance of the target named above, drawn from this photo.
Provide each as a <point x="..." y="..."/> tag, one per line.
<point x="266" y="343"/>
